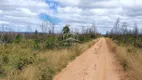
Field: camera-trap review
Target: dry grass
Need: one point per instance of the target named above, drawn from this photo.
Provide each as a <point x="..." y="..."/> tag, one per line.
<point x="112" y="46"/>
<point x="130" y="59"/>
<point x="50" y="63"/>
<point x="13" y="58"/>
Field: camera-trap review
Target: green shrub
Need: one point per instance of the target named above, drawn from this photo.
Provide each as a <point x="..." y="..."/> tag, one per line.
<point x="18" y="38"/>
<point x="4" y="59"/>
<point x="84" y="38"/>
<point x="2" y="72"/>
<point x="36" y="44"/>
<point x="51" y="42"/>
<point x="22" y="62"/>
<point x="46" y="72"/>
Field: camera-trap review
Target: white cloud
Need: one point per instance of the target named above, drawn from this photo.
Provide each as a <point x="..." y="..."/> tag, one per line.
<point x="5" y="22"/>
<point x="68" y="2"/>
<point x="27" y="11"/>
<point x="101" y="12"/>
<point x="69" y="10"/>
<point x="22" y="12"/>
<point x="74" y="12"/>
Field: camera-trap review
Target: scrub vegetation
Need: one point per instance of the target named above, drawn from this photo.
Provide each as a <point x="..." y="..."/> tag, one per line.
<point x="39" y="56"/>
<point x="127" y="44"/>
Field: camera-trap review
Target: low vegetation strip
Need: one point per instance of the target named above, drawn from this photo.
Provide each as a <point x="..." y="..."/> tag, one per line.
<point x="39" y="56"/>
<point x="130" y="58"/>
<point x="29" y="65"/>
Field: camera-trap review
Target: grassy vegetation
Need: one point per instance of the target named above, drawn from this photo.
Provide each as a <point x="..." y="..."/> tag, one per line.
<point x="128" y="39"/>
<point x="56" y="60"/>
<point x="130" y="58"/>
<point x="127" y="44"/>
<point x="18" y="60"/>
<point x="15" y="57"/>
<point x="39" y="56"/>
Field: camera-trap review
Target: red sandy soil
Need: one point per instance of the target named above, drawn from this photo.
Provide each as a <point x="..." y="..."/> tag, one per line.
<point x="97" y="63"/>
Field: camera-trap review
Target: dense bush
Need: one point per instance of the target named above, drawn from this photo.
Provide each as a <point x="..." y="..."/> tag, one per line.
<point x="18" y="38"/>
<point x="36" y="44"/>
<point x="22" y="62"/>
<point x="15" y="57"/>
<point x="84" y="38"/>
<point x="51" y="42"/>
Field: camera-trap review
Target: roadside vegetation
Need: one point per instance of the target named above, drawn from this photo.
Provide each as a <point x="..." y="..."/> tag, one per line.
<point x="127" y="44"/>
<point x="39" y="56"/>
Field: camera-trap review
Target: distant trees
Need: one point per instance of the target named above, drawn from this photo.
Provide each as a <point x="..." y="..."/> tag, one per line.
<point x="93" y="29"/>
<point x="122" y="28"/>
<point x="47" y="27"/>
<point x="125" y="34"/>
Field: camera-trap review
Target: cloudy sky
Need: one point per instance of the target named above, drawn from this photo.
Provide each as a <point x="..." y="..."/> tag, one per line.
<point x="24" y="15"/>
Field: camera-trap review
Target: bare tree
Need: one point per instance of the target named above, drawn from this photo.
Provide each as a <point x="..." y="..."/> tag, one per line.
<point x="45" y="26"/>
<point x="53" y="27"/>
<point x="135" y="29"/>
<point x="10" y="30"/>
<point x="115" y="29"/>
<point x="42" y="27"/>
<point x="82" y="27"/>
<point x="3" y="31"/>
<point x="124" y="28"/>
<point x="29" y="29"/>
<point x="141" y="31"/>
<point x="1" y="38"/>
<point x="94" y="29"/>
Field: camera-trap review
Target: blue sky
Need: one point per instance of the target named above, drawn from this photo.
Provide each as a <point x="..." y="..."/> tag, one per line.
<point x="17" y="14"/>
<point x="55" y="4"/>
<point x="46" y="17"/>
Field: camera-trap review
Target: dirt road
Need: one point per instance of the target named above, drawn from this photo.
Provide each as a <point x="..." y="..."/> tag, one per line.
<point x="97" y="63"/>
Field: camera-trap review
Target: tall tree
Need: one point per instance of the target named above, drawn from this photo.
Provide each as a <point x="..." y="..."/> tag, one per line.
<point x="66" y="29"/>
<point x="124" y="28"/>
<point x="135" y="29"/>
<point x="94" y="29"/>
<point x="115" y="29"/>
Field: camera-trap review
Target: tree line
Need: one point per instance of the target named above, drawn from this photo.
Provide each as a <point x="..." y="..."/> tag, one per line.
<point x="126" y="34"/>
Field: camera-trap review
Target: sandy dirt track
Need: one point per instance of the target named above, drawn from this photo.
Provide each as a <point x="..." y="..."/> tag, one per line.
<point x="97" y="63"/>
